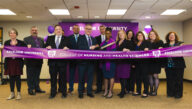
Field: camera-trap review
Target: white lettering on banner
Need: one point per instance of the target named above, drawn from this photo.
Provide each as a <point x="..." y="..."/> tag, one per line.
<point x="30" y="53"/>
<point x="51" y="53"/>
<point x="187" y="51"/>
<point x="157" y="53"/>
<point x="115" y="28"/>
<point x="119" y="28"/>
<point x="94" y="28"/>
<point x="67" y="55"/>
<point x="173" y="52"/>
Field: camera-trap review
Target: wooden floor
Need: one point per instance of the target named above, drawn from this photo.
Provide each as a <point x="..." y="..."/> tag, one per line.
<point x="41" y="101"/>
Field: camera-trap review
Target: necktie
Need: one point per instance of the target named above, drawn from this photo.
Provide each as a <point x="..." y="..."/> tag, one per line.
<point x="37" y="43"/>
<point x="76" y="37"/>
<point x="57" y="42"/>
<point x="89" y="41"/>
<point x="103" y="38"/>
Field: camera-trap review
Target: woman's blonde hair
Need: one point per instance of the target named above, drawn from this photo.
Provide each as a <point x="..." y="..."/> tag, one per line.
<point x="117" y="39"/>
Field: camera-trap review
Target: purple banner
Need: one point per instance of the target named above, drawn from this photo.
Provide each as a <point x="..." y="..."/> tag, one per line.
<point x="116" y="26"/>
<point x="43" y="53"/>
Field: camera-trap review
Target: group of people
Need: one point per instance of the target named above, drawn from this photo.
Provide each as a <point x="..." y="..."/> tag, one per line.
<point x="129" y="71"/>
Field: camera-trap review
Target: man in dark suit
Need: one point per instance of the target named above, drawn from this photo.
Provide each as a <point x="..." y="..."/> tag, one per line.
<point x="57" y="41"/>
<point x="73" y="39"/>
<point x="86" y="42"/>
<point x="33" y="66"/>
<point x="99" y="74"/>
<point x="101" y="37"/>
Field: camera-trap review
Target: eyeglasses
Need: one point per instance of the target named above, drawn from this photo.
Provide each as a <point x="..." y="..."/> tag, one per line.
<point x="88" y="28"/>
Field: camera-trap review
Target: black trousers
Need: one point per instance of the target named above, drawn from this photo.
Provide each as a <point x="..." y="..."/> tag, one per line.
<point x="131" y="81"/>
<point x="33" y="75"/>
<point x="54" y="71"/>
<point x="174" y="81"/>
<point x="99" y="77"/>
<point x="142" y="76"/>
<point x="123" y="82"/>
<point x="83" y="70"/>
<point x="15" y="79"/>
<point x="72" y="71"/>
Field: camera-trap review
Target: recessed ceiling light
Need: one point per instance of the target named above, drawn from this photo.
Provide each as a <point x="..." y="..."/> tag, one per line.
<point x="116" y="11"/>
<point x="79" y="16"/>
<point x="59" y="11"/>
<point x="29" y="17"/>
<point x="97" y="17"/>
<point x="6" y="12"/>
<point x="145" y="0"/>
<point x="147" y="17"/>
<point x="173" y="11"/>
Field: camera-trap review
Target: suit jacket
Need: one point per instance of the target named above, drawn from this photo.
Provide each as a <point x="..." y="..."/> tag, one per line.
<point x="179" y="62"/>
<point x="72" y="41"/>
<point x="63" y="43"/>
<point x="30" y="40"/>
<point x="98" y="38"/>
<point x="83" y="45"/>
<point x="20" y="60"/>
<point x="73" y="45"/>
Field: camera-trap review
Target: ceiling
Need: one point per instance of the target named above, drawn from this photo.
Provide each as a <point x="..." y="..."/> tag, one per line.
<point x="136" y="9"/>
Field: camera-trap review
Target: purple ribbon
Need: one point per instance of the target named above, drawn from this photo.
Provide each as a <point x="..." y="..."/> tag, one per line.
<point x="43" y="53"/>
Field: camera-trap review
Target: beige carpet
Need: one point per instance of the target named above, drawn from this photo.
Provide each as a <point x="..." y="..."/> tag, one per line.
<point x="41" y="101"/>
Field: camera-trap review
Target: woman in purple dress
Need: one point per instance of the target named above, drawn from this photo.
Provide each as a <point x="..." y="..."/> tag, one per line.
<point x="14" y="66"/>
<point x="108" y="66"/>
<point x="123" y="67"/>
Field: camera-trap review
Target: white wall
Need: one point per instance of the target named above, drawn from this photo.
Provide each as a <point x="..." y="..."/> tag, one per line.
<point x="187" y="36"/>
<point x="24" y="30"/>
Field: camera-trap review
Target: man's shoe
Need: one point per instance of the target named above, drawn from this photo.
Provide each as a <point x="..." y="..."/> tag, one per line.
<point x="52" y="96"/>
<point x="80" y="96"/>
<point x="31" y="92"/>
<point x="90" y="95"/>
<point x="40" y="91"/>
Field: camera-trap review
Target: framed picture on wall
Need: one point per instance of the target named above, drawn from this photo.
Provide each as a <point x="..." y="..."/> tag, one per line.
<point x="1" y="63"/>
<point x="1" y="34"/>
<point x="1" y="40"/>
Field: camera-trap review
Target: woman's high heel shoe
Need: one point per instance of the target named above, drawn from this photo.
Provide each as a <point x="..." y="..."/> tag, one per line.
<point x="105" y="95"/>
<point x="109" y="96"/>
<point x="136" y="94"/>
<point x="144" y="96"/>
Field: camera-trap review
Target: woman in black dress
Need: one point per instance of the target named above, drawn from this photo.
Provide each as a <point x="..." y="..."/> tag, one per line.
<point x="14" y="66"/>
<point x="132" y="80"/>
<point x="154" y="63"/>
<point x="141" y="66"/>
<point x="174" y="68"/>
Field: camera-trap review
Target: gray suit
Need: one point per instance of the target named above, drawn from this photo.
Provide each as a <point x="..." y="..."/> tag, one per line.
<point x="33" y="66"/>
